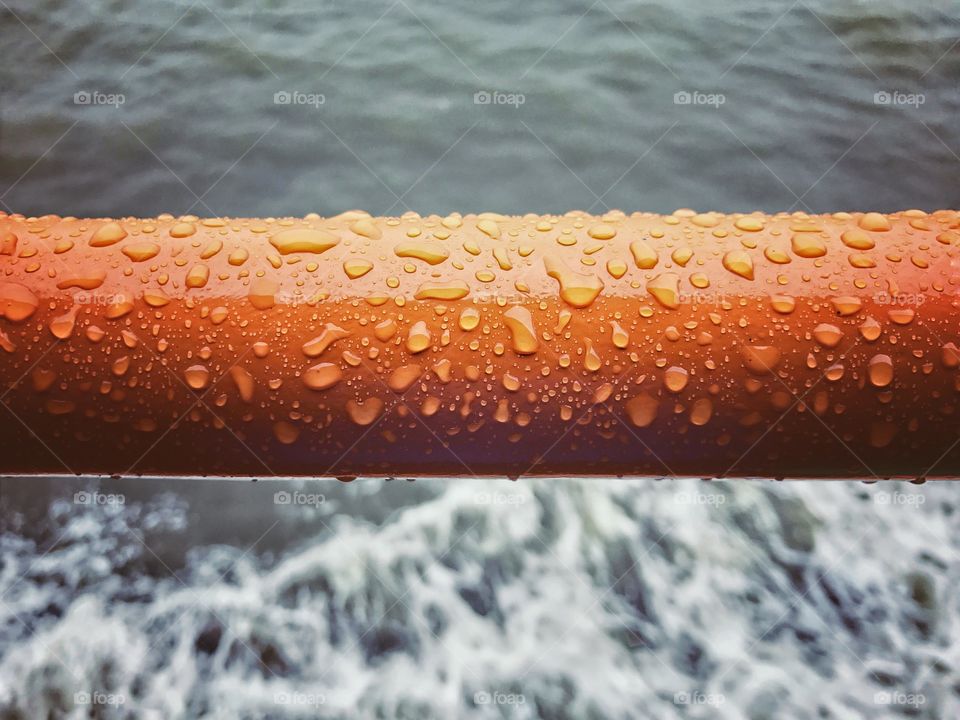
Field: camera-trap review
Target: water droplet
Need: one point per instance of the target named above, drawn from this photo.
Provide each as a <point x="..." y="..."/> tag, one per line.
<point x="880" y="370"/>
<point x="591" y="360"/>
<point x="452" y="290"/>
<point x="198" y="276"/>
<point x="197" y="376"/>
<point x="107" y="234"/>
<point x="642" y="409"/>
<point x="263" y="293"/>
<point x="861" y="261"/>
<point x="783" y="304"/>
<point x="142" y="251"/>
<point x="432" y="253"/>
<point x="776" y="255"/>
<point x="575" y="289"/>
<point x="322" y="376"/>
<point x="870" y="329"/>
<point x="523" y="334"/>
<point x="303" y="240"/>
<point x="62" y="325"/>
<point x="643" y="255"/>
<point x="901" y="316"/>
<point x="182" y="230"/>
<point x="285" y="432"/>
<point x="619" y="336"/>
<point x="366" y="227"/>
<point x="244" y="382"/>
<point x="489" y="227"/>
<point x="760" y="359"/>
<point x="828" y="335"/>
<point x="874" y="221"/>
<point x="806" y="245"/>
<point x="17" y="302"/>
<point x="469" y="319"/>
<point x="366" y="411"/>
<point x="419" y="338"/>
<point x="602" y="231"/>
<point x="329" y="335"/>
<point x="739" y="263"/>
<point x="749" y="224"/>
<point x="675" y="379"/>
<point x="665" y="288"/>
<point x="701" y="412"/>
<point x="847" y="305"/>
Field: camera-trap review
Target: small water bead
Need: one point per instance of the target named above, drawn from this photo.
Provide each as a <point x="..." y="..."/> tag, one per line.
<point x="783" y="304"/>
<point x="263" y="293"/>
<point x="681" y="256"/>
<point x="198" y="276"/>
<point x="700" y="280"/>
<point x="619" y="336"/>
<point x="238" y="257"/>
<point x="121" y="365"/>
<point x="62" y="326"/>
<point x="749" y="224"/>
<point x="880" y="370"/>
<point x="861" y="261"/>
<point x="511" y="382"/>
<point x="901" y="316"/>
<point x="489" y="228"/>
<point x="591" y="360"/>
<point x="617" y="268"/>
<point x="776" y="255"/>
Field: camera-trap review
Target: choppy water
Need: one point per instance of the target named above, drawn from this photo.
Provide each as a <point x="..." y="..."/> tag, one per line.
<point x="399" y="129"/>
<point x="482" y="599"/>
<point x="443" y="599"/>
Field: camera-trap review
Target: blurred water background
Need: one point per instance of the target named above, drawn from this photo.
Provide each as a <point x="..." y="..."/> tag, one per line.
<point x="442" y="599"/>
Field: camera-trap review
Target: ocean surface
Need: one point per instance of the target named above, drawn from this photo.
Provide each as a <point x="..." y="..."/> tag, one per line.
<point x="459" y="598"/>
